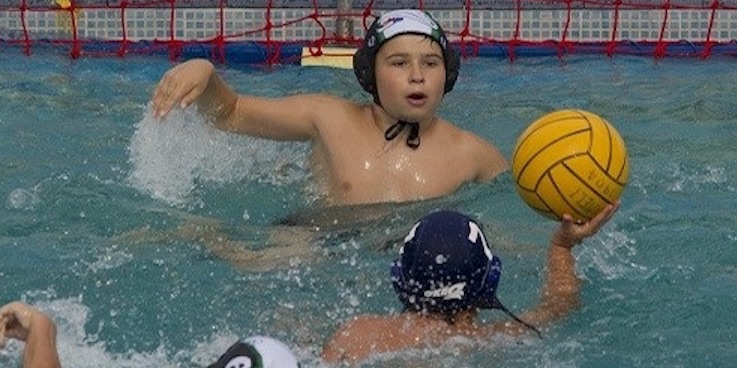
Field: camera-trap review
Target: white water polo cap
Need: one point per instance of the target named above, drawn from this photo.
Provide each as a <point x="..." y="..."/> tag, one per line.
<point x="395" y="23"/>
<point x="257" y="352"/>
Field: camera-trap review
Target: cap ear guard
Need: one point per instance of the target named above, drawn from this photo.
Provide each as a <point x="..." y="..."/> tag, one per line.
<point x="452" y="67"/>
<point x="363" y="70"/>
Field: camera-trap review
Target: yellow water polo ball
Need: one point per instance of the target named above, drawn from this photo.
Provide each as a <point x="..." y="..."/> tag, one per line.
<point x="570" y="161"/>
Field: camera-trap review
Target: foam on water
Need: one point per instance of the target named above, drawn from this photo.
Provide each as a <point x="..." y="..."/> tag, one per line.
<point x="613" y="255"/>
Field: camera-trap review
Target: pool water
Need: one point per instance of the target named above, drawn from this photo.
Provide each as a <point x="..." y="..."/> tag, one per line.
<point x="83" y="164"/>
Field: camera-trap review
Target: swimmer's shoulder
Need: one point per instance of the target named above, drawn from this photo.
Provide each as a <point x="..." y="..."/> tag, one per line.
<point x="322" y="100"/>
<point x="337" y="112"/>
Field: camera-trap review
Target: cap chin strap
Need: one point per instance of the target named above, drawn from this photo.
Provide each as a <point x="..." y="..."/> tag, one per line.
<point x="496" y="304"/>
<point x="413" y="140"/>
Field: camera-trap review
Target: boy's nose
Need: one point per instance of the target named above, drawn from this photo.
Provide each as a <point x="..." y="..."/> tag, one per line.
<point x="417" y="75"/>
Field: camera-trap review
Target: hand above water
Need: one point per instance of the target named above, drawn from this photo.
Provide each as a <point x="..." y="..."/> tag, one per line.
<point x="17" y="321"/>
<point x="571" y="233"/>
<point x="181" y="85"/>
<point x="23" y="322"/>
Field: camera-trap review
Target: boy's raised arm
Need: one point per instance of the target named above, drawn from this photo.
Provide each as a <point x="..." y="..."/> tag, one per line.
<point x="561" y="288"/>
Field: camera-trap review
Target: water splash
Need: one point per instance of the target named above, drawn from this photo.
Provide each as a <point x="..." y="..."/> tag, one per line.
<point x="682" y="178"/>
<point x="79" y="348"/>
<point x="613" y="258"/>
<point x="172" y="156"/>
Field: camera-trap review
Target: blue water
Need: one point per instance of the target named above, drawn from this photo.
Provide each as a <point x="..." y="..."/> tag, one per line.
<point x="82" y="164"/>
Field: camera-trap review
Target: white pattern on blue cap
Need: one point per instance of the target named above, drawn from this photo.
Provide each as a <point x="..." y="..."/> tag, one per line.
<point x="409" y="236"/>
<point x="474" y="232"/>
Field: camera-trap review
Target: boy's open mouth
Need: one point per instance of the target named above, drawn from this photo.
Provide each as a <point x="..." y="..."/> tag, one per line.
<point x="417" y="98"/>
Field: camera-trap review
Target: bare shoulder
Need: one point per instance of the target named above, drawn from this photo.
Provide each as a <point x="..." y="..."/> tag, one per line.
<point x="449" y="132"/>
<point x="475" y="150"/>
<point x="354" y="339"/>
<point x="326" y="100"/>
<point x="330" y="108"/>
<point x="364" y="326"/>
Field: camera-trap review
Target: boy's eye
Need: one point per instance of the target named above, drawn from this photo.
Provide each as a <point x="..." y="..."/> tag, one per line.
<point x="433" y="61"/>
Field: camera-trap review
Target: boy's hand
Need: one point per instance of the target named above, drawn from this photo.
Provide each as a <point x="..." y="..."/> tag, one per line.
<point x="17" y="320"/>
<point x="570" y="233"/>
<point x="181" y="85"/>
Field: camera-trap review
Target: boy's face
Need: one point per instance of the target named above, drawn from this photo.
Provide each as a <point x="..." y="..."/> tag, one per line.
<point x="410" y="77"/>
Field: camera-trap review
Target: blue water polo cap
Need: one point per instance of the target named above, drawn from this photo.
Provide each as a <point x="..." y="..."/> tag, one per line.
<point x="395" y="23"/>
<point x="446" y="265"/>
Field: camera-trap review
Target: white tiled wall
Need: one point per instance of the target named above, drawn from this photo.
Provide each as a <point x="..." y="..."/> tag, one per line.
<point x="242" y="24"/>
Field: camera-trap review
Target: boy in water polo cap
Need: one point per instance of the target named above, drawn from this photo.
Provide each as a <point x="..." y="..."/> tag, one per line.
<point x="445" y="274"/>
<point x="26" y="323"/>
<point x="395" y="149"/>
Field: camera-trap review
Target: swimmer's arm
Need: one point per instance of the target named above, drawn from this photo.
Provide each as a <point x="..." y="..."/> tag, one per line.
<point x="286" y="118"/>
<point x="28" y="324"/>
<point x="40" y="350"/>
<point x="561" y="289"/>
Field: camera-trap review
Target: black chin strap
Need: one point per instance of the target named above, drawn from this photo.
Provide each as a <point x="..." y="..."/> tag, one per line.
<point x="413" y="140"/>
<point x="496" y="304"/>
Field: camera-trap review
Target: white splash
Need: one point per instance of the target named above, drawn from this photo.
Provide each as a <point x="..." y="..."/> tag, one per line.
<point x="613" y="257"/>
<point x="171" y="156"/>
<point x="710" y="175"/>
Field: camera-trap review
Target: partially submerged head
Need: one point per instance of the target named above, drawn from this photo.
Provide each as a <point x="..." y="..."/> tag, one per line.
<point x="397" y="23"/>
<point x="446" y="266"/>
<point x="257" y="352"/>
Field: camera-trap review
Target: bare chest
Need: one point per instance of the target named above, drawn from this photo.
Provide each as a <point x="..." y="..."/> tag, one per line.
<point x="396" y="174"/>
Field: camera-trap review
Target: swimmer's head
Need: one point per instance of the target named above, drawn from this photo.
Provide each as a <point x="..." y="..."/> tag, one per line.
<point x="257" y="352"/>
<point x="397" y="23"/>
<point x="446" y="266"/>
